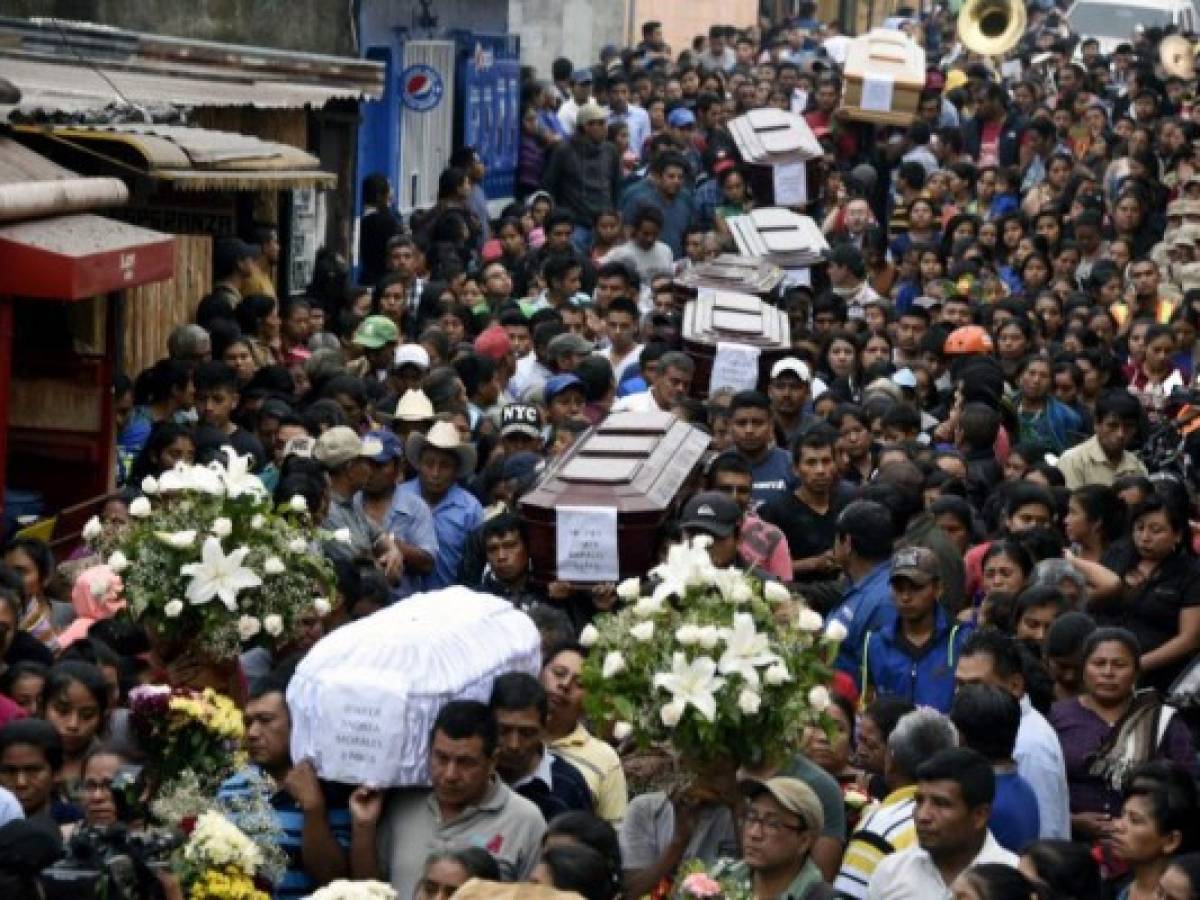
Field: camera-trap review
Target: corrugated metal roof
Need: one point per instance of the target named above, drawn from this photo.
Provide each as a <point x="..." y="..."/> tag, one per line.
<point x="53" y="85"/>
<point x="200" y="158"/>
<point x="52" y="62"/>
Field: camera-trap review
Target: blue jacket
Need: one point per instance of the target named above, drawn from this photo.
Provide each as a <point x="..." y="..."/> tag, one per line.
<point x="866" y="607"/>
<point x="927" y="679"/>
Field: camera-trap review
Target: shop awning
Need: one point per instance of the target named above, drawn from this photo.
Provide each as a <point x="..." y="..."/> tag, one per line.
<point x="77" y="256"/>
<point x="193" y="159"/>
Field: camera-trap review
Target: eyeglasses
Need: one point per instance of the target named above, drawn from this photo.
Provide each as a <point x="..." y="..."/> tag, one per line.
<point x="769" y="824"/>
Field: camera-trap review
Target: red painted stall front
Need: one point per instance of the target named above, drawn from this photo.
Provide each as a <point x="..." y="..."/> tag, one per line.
<point x="60" y="284"/>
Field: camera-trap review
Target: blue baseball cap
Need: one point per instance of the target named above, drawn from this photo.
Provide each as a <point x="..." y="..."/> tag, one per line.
<point x="389" y="444"/>
<point x="681" y="118"/>
<point x="556" y="384"/>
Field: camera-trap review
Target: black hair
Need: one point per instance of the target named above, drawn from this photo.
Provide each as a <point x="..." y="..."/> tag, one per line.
<point x="462" y="719"/>
<point x="1100" y="503"/>
<point x="886" y="712"/>
<point x="1172" y="796"/>
<point x="35" y="733"/>
<point x="590" y="831"/>
<point x="970" y="770"/>
<point x="38" y="552"/>
<point x="997" y="881"/>
<point x="519" y="690"/>
<point x="1122" y="636"/>
<point x="214" y="375"/>
<point x="869" y="527"/>
<point x="64" y="674"/>
<point x="979" y="424"/>
<point x="749" y="400"/>
<point x="1026" y="493"/>
<point x="1066" y="869"/>
<point x="1002" y="649"/>
<point x="477" y="862"/>
<point x="579" y="868"/>
<point x="729" y="461"/>
<point x="17" y="671"/>
<point x="815" y="438"/>
<point x="987" y="718"/>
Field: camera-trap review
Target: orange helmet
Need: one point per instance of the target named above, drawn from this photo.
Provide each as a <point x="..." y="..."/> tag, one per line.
<point x="967" y="340"/>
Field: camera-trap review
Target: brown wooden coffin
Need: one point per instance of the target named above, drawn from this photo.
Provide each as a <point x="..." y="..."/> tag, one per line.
<point x="716" y="316"/>
<point x="639" y="463"/>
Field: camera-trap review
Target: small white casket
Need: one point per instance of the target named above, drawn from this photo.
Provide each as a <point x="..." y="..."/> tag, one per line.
<point x="365" y="697"/>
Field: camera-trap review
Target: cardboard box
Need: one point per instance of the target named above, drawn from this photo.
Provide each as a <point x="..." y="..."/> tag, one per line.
<point x="885" y="74"/>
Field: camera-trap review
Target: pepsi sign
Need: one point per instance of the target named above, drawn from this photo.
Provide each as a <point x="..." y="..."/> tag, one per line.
<point x="421" y="87"/>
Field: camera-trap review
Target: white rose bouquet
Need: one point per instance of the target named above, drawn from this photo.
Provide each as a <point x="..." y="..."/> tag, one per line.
<point x="712" y="661"/>
<point x="207" y="561"/>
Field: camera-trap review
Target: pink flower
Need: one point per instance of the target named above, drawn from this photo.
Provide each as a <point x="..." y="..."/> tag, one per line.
<point x="701" y="884"/>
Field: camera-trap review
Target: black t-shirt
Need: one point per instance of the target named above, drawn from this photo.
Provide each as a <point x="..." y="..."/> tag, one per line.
<point x="809" y="533"/>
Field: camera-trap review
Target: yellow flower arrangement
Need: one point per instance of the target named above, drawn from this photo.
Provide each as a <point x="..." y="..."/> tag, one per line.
<point x="216" y="712"/>
<point x="230" y="884"/>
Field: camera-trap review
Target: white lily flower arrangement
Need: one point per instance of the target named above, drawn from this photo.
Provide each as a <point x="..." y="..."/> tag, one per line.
<point x="709" y="660"/>
<point x="207" y="555"/>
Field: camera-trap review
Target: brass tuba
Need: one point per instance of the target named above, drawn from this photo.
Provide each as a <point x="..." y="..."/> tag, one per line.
<point x="1177" y="57"/>
<point x="991" y="27"/>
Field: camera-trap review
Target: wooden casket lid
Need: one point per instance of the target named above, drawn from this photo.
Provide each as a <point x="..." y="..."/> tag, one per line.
<point x="636" y="462"/>
<point x="716" y="316"/>
<point x="883" y="51"/>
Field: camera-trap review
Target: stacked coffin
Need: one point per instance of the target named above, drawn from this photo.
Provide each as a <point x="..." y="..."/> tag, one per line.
<point x="730" y="272"/>
<point x="784" y="238"/>
<point x="772" y="137"/>
<point x="720" y="325"/>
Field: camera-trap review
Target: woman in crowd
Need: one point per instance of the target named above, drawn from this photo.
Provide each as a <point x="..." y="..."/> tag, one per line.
<point x="1104" y="735"/>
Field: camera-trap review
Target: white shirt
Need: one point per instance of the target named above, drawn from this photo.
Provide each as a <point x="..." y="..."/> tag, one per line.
<point x="638" y="121"/>
<point x="10" y="807"/>
<point x="567" y="113"/>
<point x="1040" y="762"/>
<point x="911" y="874"/>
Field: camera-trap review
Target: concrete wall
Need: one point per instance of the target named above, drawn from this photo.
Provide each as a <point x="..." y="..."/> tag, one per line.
<point x="312" y="26"/>
<point x="383" y="16"/>
<point x="682" y="21"/>
<point x="576" y="29"/>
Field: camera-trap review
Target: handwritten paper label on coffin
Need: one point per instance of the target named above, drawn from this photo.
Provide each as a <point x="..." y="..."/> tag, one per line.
<point x="735" y="366"/>
<point x="791" y="184"/>
<point x="586" y="542"/>
<point x="877" y="92"/>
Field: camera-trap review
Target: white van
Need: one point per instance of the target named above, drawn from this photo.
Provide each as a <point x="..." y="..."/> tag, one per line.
<point x="1114" y="22"/>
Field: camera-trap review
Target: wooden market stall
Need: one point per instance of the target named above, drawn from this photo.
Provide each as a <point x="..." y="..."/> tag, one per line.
<point x="197" y="184"/>
<point x="63" y="271"/>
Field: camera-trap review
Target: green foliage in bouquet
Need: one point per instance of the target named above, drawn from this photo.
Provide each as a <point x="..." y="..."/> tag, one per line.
<point x="714" y="662"/>
<point x="207" y="561"/>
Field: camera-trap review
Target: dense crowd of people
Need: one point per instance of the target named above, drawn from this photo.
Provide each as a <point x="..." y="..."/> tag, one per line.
<point x="977" y="457"/>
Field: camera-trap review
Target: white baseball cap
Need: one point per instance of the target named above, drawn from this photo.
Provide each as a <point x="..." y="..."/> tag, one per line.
<point x="797" y="367"/>
<point x="411" y="355"/>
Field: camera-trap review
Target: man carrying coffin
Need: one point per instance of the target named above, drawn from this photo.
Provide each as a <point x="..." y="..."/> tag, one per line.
<point x="314" y="821"/>
<point x="468" y="806"/>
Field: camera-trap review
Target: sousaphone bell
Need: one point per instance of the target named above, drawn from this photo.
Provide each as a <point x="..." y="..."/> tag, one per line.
<point x="1177" y="56"/>
<point x="991" y="27"/>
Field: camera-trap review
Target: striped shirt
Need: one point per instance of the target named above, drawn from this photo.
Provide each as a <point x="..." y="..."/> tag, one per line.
<point x="886" y="830"/>
<point x="296" y="882"/>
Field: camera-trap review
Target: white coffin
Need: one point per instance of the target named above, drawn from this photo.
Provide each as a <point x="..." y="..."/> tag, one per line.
<point x="365" y="697"/>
